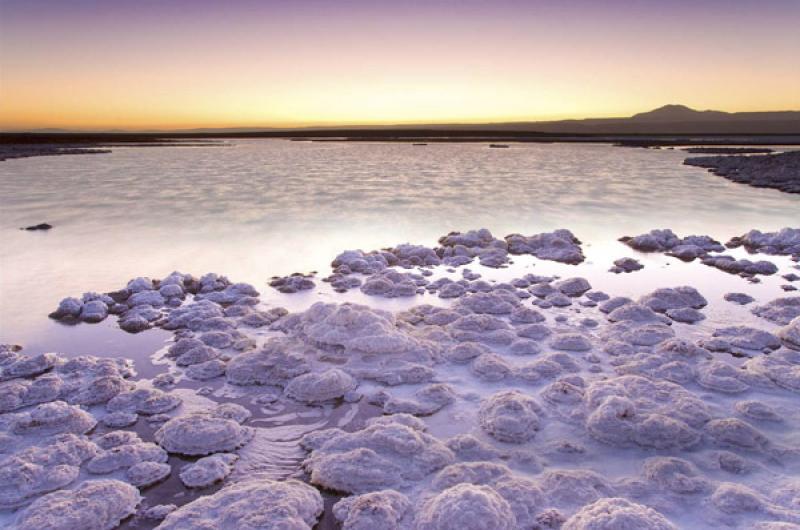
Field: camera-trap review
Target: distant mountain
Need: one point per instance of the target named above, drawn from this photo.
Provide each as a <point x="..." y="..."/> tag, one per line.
<point x="678" y="113"/>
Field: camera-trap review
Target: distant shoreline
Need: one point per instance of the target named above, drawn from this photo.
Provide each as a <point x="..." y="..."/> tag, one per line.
<point x="23" y="145"/>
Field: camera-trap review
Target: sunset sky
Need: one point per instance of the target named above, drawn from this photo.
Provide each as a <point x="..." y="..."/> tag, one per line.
<point x="196" y="63"/>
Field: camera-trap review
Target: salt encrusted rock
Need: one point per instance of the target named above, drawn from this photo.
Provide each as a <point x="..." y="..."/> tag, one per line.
<point x="383" y="509"/>
<point x="478" y="473"/>
<point x="790" y="334"/>
<point x="654" y="241"/>
<point x="259" y="503"/>
<point x="42" y="468"/>
<point x="633" y="409"/>
<point x="739" y="298"/>
<point x="673" y="475"/>
<point x="207" y="370"/>
<point x="574" y="487"/>
<point x="316" y="387"/>
<point x="722" y="377"/>
<point x="534" y="331"/>
<point x="146" y="474"/>
<point x="398" y="373"/>
<point x="151" y="298"/>
<point x="783" y="242"/>
<point x="757" y="410"/>
<point x="69" y="309"/>
<point x="230" y="294"/>
<point x="466" y="507"/>
<point x="391" y="284"/>
<point x="573" y="286"/>
<point x="613" y="303"/>
<point x="780" y="310"/>
<point x="558" y="300"/>
<point x="158" y="512"/>
<point x="662" y="300"/>
<point x="119" y="419"/>
<point x="92" y="505"/>
<point x="526" y="315"/>
<point x="524" y="347"/>
<point x="742" y="267"/>
<point x="359" y="261"/>
<point x="748" y="338"/>
<point x="633" y="312"/>
<point x="781" y="367"/>
<point x="259" y="319"/>
<point x="385" y="454"/>
<point x="425" y="401"/>
<point x="144" y="401"/>
<point x="468" y="448"/>
<point x="465" y="351"/>
<point x="293" y="283"/>
<point x="735" y="432"/>
<point x="626" y="265"/>
<point x="23" y="366"/>
<point x="510" y="416"/>
<point x="615" y="514"/>
<point x="353" y="327"/>
<point x="117" y="438"/>
<point x="275" y="364"/>
<point x="494" y="303"/>
<point x="192" y="315"/>
<point x="208" y="470"/>
<point x="19" y="393"/>
<point x="94" y="311"/>
<point x="559" y="245"/>
<point x="202" y="433"/>
<point x="124" y="456"/>
<point x="736" y="498"/>
<point x="686" y="315"/>
<point x="490" y="367"/>
<point x="452" y="290"/>
<point x="571" y="342"/>
<point x="53" y="418"/>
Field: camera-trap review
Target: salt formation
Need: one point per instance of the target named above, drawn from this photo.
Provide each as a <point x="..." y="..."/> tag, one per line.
<point x="466" y="507"/>
<point x="635" y="410"/>
<point x="146" y="474"/>
<point x="385" y="454"/>
<point x="392" y="284"/>
<point x="510" y="416"/>
<point x="626" y="265"/>
<point x="780" y="310"/>
<point x="42" y="468"/>
<point x="92" y="505"/>
<point x="208" y="470"/>
<point x="742" y="267"/>
<point x="320" y="386"/>
<point x="253" y="504"/>
<point x="790" y="334"/>
<point x="202" y="433"/>
<point x="125" y="455"/>
<point x="687" y="248"/>
<point x="293" y="283"/>
<point x="783" y="242"/>
<point x="560" y="245"/>
<point x="385" y="509"/>
<point x="276" y="363"/>
<point x="617" y="513"/>
<point x="52" y="418"/>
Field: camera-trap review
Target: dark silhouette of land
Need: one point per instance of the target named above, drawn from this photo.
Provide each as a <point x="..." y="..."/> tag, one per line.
<point x="670" y="125"/>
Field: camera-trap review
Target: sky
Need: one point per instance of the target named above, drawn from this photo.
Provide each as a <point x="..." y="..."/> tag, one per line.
<point x="170" y="64"/>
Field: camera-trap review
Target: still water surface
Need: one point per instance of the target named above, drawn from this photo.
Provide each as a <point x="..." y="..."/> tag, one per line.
<point x="256" y="208"/>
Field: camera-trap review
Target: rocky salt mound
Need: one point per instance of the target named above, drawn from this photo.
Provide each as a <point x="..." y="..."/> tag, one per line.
<point x="779" y="171"/>
<point x="529" y="402"/>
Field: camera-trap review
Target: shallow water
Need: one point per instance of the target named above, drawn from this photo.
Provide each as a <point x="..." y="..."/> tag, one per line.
<point x="256" y="208"/>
